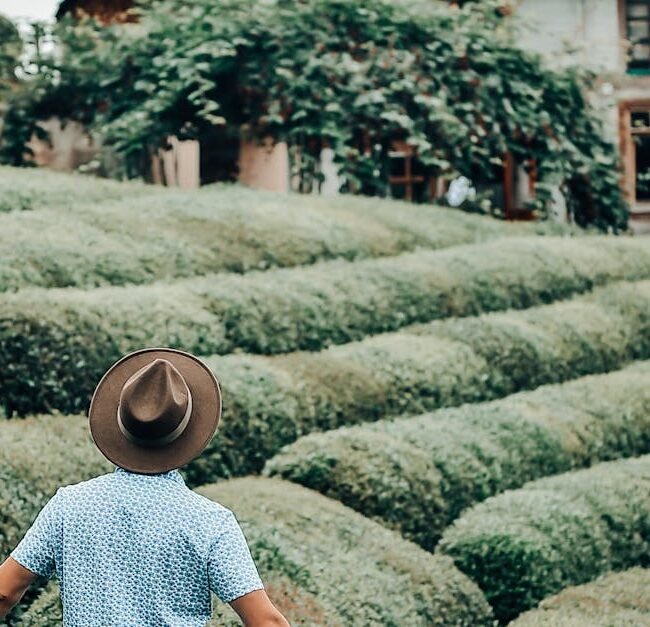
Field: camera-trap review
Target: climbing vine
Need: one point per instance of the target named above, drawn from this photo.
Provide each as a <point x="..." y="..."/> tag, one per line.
<point x="350" y="75"/>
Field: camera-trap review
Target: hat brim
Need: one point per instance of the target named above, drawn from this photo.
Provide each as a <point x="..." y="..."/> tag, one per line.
<point x="203" y="423"/>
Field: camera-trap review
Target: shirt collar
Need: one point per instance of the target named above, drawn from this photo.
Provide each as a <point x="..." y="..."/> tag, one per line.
<point x="173" y="474"/>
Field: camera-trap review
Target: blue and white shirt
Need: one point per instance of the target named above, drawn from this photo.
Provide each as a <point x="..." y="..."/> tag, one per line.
<point x="131" y="549"/>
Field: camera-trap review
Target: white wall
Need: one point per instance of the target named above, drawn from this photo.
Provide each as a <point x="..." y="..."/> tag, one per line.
<point x="588" y="27"/>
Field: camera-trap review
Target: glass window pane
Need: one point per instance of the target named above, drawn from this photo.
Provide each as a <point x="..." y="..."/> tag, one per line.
<point x="642" y="149"/>
<point x="640" y="119"/>
<point x="637" y="9"/>
<point x="641" y="52"/>
<point x="397" y="166"/>
<point x="638" y="29"/>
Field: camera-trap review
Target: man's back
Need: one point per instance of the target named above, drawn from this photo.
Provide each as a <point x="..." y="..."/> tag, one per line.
<point x="135" y="549"/>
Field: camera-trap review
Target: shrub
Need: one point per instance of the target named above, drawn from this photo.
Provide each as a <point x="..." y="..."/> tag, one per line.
<point x="527" y="544"/>
<point x="46" y="336"/>
<point x="29" y="189"/>
<point x="87" y="232"/>
<point x="269" y="402"/>
<point x="416" y="475"/>
<point x="619" y="598"/>
<point x="272" y="401"/>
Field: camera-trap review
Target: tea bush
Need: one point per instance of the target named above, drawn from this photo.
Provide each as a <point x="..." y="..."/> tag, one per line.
<point x="26" y="189"/>
<point x="527" y="544"/>
<point x="416" y="475"/>
<point x="47" y="336"/>
<point x="272" y="401"/>
<point x="88" y="232"/>
<point x="619" y="599"/>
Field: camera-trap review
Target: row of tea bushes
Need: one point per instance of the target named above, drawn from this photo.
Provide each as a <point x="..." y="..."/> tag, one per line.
<point x="305" y="547"/>
<point x="416" y="475"/>
<point x="48" y="336"/>
<point x="25" y="190"/>
<point x="620" y="599"/>
<point x="73" y="241"/>
<point x="272" y="401"/>
<point x="527" y="544"/>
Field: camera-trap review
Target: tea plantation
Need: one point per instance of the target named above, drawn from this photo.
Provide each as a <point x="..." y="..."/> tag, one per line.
<point x="430" y="417"/>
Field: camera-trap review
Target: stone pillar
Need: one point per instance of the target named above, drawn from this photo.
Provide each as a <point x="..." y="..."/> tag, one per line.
<point x="264" y="166"/>
<point x="179" y="166"/>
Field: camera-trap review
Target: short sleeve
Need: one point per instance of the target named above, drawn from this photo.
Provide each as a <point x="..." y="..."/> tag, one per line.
<point x="36" y="550"/>
<point x="231" y="569"/>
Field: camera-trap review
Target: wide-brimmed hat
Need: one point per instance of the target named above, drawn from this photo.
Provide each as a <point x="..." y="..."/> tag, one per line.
<point x="154" y="410"/>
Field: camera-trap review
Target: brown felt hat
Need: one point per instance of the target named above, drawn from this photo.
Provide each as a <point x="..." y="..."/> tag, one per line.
<point x="154" y="410"/>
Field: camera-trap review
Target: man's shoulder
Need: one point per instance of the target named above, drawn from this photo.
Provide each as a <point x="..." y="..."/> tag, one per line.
<point x="100" y="483"/>
<point x="92" y="484"/>
<point x="210" y="506"/>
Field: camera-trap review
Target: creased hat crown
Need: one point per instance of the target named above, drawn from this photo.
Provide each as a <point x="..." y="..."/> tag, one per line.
<point x="155" y="404"/>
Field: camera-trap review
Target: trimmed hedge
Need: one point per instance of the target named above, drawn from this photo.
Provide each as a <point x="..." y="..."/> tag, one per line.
<point x="143" y="233"/>
<point x="29" y="189"/>
<point x="315" y="544"/>
<point x="617" y="599"/>
<point x="47" y="337"/>
<point x="416" y="475"/>
<point x="305" y="547"/>
<point x="272" y="401"/>
<point x="527" y="544"/>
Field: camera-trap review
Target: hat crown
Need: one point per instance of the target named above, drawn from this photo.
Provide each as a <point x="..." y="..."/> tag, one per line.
<point x="153" y="401"/>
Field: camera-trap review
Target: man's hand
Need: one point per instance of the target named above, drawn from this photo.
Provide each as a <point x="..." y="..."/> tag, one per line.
<point x="14" y="581"/>
<point x="256" y="610"/>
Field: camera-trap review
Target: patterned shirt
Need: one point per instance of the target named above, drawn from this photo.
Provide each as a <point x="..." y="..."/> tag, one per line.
<point x="131" y="549"/>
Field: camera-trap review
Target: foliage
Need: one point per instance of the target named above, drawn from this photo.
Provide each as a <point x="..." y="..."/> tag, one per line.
<point x="272" y="401"/>
<point x="416" y="475"/>
<point x="87" y="232"/>
<point x="350" y="75"/>
<point x="526" y="544"/>
<point x="47" y="335"/>
<point x="619" y="598"/>
<point x="11" y="47"/>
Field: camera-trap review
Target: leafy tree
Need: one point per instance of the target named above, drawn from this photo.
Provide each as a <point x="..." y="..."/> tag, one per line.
<point x="11" y="47"/>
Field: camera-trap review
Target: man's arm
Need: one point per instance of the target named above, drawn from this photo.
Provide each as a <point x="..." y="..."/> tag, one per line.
<point x="14" y="581"/>
<point x="256" y="610"/>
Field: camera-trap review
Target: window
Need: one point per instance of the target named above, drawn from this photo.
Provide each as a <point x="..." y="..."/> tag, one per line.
<point x="640" y="129"/>
<point x="408" y="178"/>
<point x="637" y="30"/>
<point x="635" y="150"/>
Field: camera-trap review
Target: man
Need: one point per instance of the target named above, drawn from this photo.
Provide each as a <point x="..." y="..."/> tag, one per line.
<point x="137" y="547"/>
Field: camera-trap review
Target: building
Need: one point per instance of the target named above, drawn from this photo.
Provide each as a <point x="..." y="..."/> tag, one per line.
<point x="611" y="37"/>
